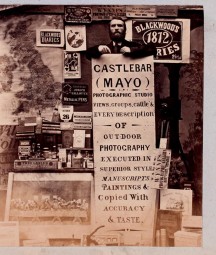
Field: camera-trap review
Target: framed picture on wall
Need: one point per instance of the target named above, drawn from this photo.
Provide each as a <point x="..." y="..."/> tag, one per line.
<point x="44" y="198"/>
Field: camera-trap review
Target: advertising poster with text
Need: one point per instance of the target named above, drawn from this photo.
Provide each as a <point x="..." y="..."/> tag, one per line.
<point x="124" y="121"/>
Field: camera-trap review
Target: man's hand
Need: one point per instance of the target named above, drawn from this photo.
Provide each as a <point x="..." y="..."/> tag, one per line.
<point x="125" y="49"/>
<point x="104" y="49"/>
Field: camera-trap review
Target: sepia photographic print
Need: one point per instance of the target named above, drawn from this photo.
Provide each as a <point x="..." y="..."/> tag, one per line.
<point x="101" y="125"/>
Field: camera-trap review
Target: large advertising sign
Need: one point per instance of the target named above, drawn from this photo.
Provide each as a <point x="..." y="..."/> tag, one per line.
<point x="171" y="38"/>
<point x="124" y="124"/>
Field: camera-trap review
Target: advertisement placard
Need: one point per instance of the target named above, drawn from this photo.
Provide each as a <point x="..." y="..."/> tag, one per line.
<point x="78" y="14"/>
<point x="50" y="37"/>
<point x="124" y="121"/>
<point x="171" y="38"/>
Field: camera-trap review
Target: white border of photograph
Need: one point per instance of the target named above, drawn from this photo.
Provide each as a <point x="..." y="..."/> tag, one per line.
<point x="75" y="37"/>
<point x="176" y="200"/>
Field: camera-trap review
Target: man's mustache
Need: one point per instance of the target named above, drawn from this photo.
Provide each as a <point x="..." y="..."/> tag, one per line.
<point x="117" y="33"/>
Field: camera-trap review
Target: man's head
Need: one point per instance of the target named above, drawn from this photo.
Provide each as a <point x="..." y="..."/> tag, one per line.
<point x="117" y="29"/>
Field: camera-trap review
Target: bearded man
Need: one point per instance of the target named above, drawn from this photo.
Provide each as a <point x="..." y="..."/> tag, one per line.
<point x="118" y="44"/>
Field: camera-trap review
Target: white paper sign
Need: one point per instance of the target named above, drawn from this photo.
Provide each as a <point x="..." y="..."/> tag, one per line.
<point x="161" y="164"/>
<point x="79" y="139"/>
<point x="124" y="128"/>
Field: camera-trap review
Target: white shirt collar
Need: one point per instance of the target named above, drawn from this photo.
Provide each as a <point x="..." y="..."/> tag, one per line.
<point x="115" y="43"/>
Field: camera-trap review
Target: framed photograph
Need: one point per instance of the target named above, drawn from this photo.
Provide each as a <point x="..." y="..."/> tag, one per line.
<point x="176" y="200"/>
<point x="52" y="197"/>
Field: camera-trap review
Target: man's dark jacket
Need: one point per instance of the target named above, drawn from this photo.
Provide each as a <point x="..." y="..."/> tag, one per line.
<point x="137" y="50"/>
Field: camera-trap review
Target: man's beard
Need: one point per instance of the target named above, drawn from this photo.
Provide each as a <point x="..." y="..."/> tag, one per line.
<point x="117" y="36"/>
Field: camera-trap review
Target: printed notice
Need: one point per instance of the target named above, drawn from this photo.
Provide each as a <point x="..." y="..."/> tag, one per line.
<point x="124" y="121"/>
<point x="169" y="37"/>
<point x="140" y="11"/>
<point x="161" y="163"/>
<point x="78" y="14"/>
<point x="74" y="93"/>
<point x="106" y="12"/>
<point x="50" y="37"/>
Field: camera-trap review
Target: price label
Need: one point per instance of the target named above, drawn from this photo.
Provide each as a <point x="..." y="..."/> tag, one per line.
<point x="66" y="112"/>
